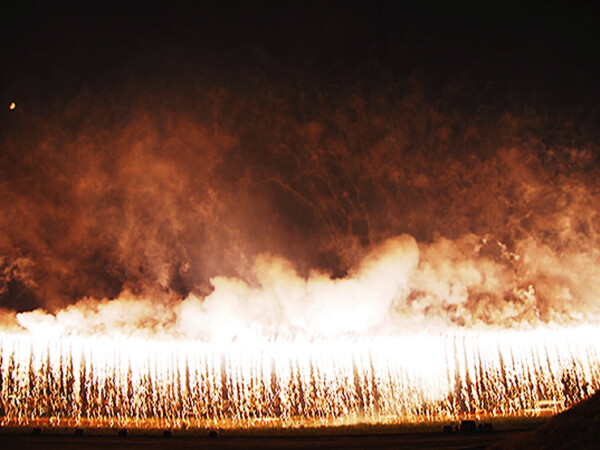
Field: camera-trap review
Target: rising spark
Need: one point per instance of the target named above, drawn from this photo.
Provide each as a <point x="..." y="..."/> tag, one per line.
<point x="103" y="381"/>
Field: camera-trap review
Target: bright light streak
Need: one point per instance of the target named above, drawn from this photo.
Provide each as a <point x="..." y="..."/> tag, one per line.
<point x="100" y="381"/>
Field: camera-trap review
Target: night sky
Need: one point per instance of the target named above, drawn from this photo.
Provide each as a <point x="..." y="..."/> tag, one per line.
<point x="156" y="145"/>
<point x="542" y="53"/>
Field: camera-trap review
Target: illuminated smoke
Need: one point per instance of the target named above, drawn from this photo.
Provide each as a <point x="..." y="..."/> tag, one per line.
<point x="275" y="220"/>
<point x="106" y="196"/>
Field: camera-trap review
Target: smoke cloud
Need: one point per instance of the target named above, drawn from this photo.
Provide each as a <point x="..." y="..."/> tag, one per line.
<point x="220" y="214"/>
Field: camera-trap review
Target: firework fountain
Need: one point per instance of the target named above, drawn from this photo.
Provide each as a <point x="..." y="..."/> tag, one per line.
<point x="329" y="359"/>
<point x="103" y="381"/>
<point x="186" y="269"/>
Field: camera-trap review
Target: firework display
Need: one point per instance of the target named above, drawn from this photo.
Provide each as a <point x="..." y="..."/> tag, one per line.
<point x="270" y="214"/>
<point x="104" y="381"/>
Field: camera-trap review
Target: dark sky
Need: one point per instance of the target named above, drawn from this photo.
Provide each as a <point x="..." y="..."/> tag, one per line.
<point x="541" y="52"/>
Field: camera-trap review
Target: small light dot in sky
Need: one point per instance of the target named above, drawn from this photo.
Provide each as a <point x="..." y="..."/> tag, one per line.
<point x="12" y="106"/>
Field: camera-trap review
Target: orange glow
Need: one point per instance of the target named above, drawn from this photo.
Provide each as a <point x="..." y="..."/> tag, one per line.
<point x="396" y="284"/>
<point x="12" y="106"/>
<point x="294" y="351"/>
<point x="100" y="380"/>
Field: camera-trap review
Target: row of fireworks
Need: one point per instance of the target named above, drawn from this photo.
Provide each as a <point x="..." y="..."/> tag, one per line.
<point x="379" y="380"/>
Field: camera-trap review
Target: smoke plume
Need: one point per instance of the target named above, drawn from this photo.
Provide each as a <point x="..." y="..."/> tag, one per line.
<point x="220" y="213"/>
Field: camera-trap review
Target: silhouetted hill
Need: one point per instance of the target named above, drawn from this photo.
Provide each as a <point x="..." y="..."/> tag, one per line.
<point x="576" y="428"/>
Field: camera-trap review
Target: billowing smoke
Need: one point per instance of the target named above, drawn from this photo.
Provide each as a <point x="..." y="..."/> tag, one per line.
<point x="280" y="212"/>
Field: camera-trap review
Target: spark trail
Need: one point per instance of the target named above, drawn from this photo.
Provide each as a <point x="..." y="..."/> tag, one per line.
<point x="103" y="381"/>
<point x="368" y="259"/>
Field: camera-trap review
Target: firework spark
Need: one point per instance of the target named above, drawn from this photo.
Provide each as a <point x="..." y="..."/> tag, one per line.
<point x="248" y="253"/>
<point x="99" y="380"/>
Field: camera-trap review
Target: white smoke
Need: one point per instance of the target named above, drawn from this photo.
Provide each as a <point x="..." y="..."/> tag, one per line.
<point x="400" y="286"/>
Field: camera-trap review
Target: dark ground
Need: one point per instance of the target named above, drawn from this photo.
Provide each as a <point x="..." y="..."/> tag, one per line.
<point x="576" y="428"/>
<point x="386" y="441"/>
